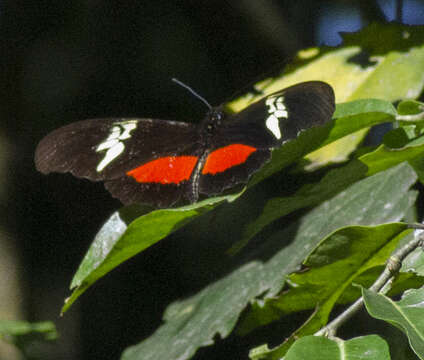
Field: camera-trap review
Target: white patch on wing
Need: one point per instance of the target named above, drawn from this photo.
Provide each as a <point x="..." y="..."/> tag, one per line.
<point x="276" y="110"/>
<point x="272" y="125"/>
<point x="113" y="144"/>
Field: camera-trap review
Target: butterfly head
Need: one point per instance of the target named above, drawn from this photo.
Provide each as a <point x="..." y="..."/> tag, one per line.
<point x="212" y="120"/>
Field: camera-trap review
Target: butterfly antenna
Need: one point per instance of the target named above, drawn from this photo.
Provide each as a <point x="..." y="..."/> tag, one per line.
<point x="193" y="92"/>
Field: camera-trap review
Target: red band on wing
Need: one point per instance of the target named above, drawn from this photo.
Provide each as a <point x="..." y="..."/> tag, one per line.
<point x="166" y="170"/>
<point x="226" y="157"/>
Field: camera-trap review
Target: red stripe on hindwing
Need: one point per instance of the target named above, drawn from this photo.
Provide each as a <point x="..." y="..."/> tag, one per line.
<point x="226" y="157"/>
<point x="166" y="170"/>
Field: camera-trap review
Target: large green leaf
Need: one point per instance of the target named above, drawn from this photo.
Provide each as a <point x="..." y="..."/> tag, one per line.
<point x="406" y="314"/>
<point x="117" y="242"/>
<point x="311" y="194"/>
<point x="362" y="113"/>
<point x="348" y="118"/>
<point x="342" y="256"/>
<point x="384" y="61"/>
<point x="410" y="107"/>
<point x="370" y="347"/>
<point x="380" y="61"/>
<point x="392" y="56"/>
<point x="195" y="321"/>
<point x="385" y="156"/>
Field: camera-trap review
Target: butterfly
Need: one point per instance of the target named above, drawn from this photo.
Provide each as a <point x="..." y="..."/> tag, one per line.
<point x="165" y="162"/>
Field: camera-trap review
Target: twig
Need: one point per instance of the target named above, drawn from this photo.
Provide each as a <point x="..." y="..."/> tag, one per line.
<point x="412" y="118"/>
<point x="382" y="285"/>
<point x="417" y="226"/>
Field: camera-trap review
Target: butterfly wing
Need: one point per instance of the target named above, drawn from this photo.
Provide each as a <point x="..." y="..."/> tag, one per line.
<point x="115" y="151"/>
<point x="236" y="168"/>
<point x="157" y="161"/>
<point x="243" y="143"/>
<point x="281" y="116"/>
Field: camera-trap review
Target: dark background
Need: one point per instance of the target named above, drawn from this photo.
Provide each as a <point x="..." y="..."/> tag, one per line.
<point x="63" y="61"/>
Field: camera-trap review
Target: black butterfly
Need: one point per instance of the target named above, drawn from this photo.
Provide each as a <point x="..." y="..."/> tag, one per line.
<point x="163" y="162"/>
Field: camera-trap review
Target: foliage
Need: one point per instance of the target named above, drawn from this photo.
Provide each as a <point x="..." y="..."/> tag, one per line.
<point x="24" y="334"/>
<point x="337" y="213"/>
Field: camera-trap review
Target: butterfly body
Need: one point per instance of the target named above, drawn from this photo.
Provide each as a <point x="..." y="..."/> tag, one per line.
<point x="163" y="162"/>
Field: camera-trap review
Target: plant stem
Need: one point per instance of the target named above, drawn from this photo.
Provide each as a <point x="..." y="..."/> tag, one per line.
<point x="413" y="118"/>
<point x="382" y="285"/>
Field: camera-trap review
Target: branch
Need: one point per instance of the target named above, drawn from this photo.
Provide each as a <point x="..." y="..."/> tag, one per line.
<point x="412" y="118"/>
<point x="382" y="285"/>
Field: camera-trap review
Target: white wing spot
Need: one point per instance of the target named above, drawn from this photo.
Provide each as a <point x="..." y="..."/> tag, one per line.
<point x="272" y="124"/>
<point x="113" y="145"/>
<point x="276" y="110"/>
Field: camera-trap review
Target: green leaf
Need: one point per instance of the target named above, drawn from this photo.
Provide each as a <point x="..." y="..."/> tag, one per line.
<point x="418" y="165"/>
<point x="414" y="262"/>
<point x="384" y="157"/>
<point x="342" y="256"/>
<point x="384" y="61"/>
<point x="406" y="314"/>
<point x="361" y="68"/>
<point x="311" y="194"/>
<point x="117" y="242"/>
<point x="10" y="329"/>
<point x="356" y="115"/>
<point x="399" y="62"/>
<point x="347" y="119"/>
<point x="195" y="321"/>
<point x="24" y="335"/>
<point x="403" y="282"/>
<point x="410" y="107"/>
<point x="369" y="347"/>
<point x="388" y="73"/>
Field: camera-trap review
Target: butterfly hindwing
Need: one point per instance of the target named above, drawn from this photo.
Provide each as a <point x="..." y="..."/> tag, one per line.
<point x="212" y="183"/>
<point x="129" y="191"/>
<point x="244" y="141"/>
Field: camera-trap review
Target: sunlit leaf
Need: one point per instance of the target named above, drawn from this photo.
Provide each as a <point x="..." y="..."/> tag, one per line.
<point x="406" y="314"/>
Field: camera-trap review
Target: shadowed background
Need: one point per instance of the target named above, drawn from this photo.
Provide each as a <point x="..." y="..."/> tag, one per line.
<point x="73" y="60"/>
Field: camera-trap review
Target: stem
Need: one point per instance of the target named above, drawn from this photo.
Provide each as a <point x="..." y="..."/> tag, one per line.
<point x="412" y="118"/>
<point x="416" y="226"/>
<point x="382" y="285"/>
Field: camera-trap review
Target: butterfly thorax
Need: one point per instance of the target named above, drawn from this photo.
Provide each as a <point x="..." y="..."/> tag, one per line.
<point x="210" y="123"/>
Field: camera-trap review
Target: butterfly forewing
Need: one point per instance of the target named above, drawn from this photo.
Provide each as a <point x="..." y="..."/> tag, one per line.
<point x="266" y="124"/>
<point x="105" y="149"/>
<point x="280" y="116"/>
